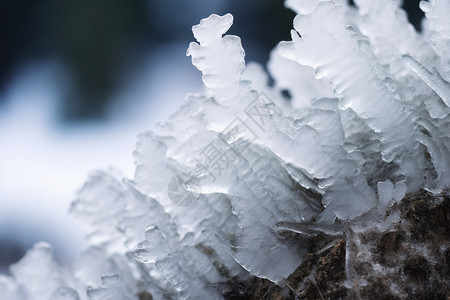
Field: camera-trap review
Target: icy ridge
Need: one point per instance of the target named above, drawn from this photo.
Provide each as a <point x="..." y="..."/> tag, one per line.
<point x="239" y="179"/>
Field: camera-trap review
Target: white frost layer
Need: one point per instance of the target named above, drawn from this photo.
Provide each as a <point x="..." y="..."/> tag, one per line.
<point x="218" y="185"/>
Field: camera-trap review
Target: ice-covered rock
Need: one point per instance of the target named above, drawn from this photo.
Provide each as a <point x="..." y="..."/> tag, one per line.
<point x="239" y="179"/>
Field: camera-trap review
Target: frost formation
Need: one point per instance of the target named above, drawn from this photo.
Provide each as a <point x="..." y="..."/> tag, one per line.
<point x="367" y="123"/>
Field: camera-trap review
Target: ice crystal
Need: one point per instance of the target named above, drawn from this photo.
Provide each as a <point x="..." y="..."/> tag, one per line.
<point x="218" y="186"/>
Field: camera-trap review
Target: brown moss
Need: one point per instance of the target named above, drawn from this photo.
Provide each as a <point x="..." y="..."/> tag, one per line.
<point x="427" y="221"/>
<point x="424" y="223"/>
<point x="417" y="268"/>
<point x="378" y="288"/>
<point x="267" y="290"/>
<point x="145" y="296"/>
<point x="321" y="275"/>
<point x="388" y="246"/>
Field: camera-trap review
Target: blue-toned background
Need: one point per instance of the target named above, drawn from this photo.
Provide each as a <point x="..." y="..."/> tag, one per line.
<point x="79" y="79"/>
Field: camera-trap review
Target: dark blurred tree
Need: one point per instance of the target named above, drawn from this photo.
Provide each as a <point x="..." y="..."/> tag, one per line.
<point x="22" y="35"/>
<point x="263" y="23"/>
<point x="95" y="39"/>
<point x="415" y="14"/>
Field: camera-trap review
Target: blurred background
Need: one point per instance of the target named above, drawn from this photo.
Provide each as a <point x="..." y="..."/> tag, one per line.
<point x="78" y="81"/>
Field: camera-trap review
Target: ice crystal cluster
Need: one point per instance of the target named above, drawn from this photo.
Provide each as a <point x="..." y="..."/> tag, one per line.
<point x="236" y="181"/>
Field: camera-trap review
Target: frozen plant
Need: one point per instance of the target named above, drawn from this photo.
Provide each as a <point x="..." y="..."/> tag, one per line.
<point x="219" y="187"/>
